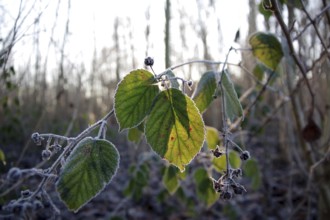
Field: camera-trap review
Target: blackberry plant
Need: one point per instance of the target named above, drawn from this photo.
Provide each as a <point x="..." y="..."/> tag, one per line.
<point x="157" y="105"/>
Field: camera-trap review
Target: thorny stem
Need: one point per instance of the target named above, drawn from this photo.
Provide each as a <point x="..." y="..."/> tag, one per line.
<point x="69" y="147"/>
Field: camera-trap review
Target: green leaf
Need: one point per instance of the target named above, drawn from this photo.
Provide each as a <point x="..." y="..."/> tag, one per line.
<point x="140" y="178"/>
<point x="134" y="98"/>
<point x="173" y="82"/>
<point x="204" y="187"/>
<point x="170" y="179"/>
<point x="259" y="72"/>
<point x="88" y="170"/>
<point x="267" y="49"/>
<point x="212" y="137"/>
<point x="2" y="157"/>
<point x="251" y="170"/>
<point x="175" y="129"/>
<point x="232" y="103"/>
<point x="206" y="88"/>
<point x="266" y="13"/>
<point x="134" y="135"/>
<point x="220" y="163"/>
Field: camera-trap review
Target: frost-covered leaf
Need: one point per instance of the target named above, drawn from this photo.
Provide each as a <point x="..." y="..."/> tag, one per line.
<point x="234" y="161"/>
<point x="232" y="103"/>
<point x="88" y="170"/>
<point x="175" y="128"/>
<point x="173" y="82"/>
<point x="171" y="179"/>
<point x="267" y="49"/>
<point x="204" y="186"/>
<point x="205" y="91"/>
<point x="212" y="137"/>
<point x="134" y="97"/>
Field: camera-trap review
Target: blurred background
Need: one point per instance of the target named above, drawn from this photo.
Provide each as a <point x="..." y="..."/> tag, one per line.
<point x="61" y="61"/>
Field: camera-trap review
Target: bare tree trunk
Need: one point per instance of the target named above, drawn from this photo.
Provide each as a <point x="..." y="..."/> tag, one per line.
<point x="117" y="48"/>
<point x="167" y="34"/>
<point x="62" y="78"/>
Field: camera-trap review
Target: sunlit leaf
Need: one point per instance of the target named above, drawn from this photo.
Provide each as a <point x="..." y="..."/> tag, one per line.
<point x="220" y="163"/>
<point x="251" y="170"/>
<point x="173" y="82"/>
<point x="267" y="49"/>
<point x="212" y="137"/>
<point x="88" y="170"/>
<point x="205" y="91"/>
<point x="204" y="187"/>
<point x="232" y="103"/>
<point x="170" y="179"/>
<point x="175" y="129"/>
<point x="134" y="97"/>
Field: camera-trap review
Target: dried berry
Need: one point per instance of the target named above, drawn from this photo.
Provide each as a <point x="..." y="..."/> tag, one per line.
<point x="238" y="189"/>
<point x="148" y="61"/>
<point x="14" y="174"/>
<point x="237" y="172"/>
<point x="189" y="83"/>
<point x="311" y="131"/>
<point x="217" y="153"/>
<point x="45" y="154"/>
<point x="226" y="195"/>
<point x="245" y="155"/>
<point x="217" y="186"/>
<point x="36" y="138"/>
<point x="25" y="193"/>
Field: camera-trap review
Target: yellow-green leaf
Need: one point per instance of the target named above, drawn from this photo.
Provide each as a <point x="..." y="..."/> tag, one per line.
<point x="212" y="137"/>
<point x="2" y="157"/>
<point x="88" y="170"/>
<point x="267" y="49"/>
<point x="134" y="135"/>
<point x="175" y="128"/>
<point x="134" y="97"/>
<point x="171" y="179"/>
<point x="220" y="163"/>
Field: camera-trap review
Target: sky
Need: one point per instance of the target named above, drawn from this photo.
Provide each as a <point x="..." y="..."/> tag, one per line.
<point x="91" y="26"/>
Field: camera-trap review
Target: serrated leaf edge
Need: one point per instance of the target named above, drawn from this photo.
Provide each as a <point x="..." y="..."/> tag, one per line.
<point x="204" y="136"/>
<point x="104" y="185"/>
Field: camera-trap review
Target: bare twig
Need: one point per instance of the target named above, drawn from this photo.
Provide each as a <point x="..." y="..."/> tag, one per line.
<point x="298" y="62"/>
<point x="315" y="20"/>
<point x="315" y="28"/>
